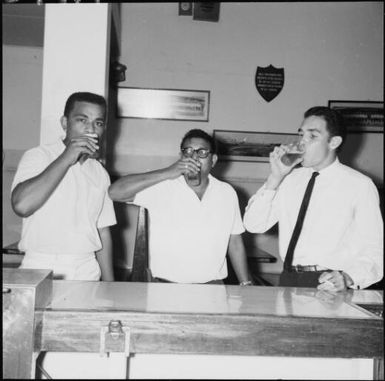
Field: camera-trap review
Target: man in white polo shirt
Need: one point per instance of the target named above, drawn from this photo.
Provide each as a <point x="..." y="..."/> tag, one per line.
<point x="60" y="190"/>
<point x="192" y="223"/>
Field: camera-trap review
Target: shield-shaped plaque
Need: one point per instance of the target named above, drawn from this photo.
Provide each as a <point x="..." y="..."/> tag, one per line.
<point x="269" y="81"/>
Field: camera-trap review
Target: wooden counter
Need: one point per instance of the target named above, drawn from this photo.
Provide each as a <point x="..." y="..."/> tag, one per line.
<point x="168" y="318"/>
<point x="177" y="318"/>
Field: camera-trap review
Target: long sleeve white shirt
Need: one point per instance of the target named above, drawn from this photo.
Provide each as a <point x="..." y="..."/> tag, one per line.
<point x="343" y="227"/>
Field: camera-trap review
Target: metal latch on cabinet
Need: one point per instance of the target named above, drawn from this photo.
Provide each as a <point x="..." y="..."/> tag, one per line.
<point x="114" y="338"/>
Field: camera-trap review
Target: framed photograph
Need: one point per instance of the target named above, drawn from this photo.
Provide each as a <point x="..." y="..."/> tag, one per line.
<point x="361" y="116"/>
<point x="249" y="146"/>
<point x="135" y="102"/>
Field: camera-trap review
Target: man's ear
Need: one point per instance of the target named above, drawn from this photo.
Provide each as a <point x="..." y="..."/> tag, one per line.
<point x="214" y="160"/>
<point x="335" y="142"/>
<point x="63" y="122"/>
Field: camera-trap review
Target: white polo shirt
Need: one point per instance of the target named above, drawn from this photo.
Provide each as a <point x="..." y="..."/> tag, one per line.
<point x="188" y="237"/>
<point x="67" y="222"/>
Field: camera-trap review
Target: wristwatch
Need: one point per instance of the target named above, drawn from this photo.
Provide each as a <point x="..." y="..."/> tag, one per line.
<point x="246" y="283"/>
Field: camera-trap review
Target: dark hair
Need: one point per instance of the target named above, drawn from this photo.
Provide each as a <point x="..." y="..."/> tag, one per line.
<point x="196" y="133"/>
<point x="83" y="97"/>
<point x="334" y="121"/>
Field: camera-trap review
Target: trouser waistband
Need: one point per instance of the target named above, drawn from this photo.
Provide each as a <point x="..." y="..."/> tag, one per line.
<point x="300" y="268"/>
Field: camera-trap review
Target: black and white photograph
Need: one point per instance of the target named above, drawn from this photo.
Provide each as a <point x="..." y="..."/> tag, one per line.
<point x="163" y="104"/>
<point x="193" y="190"/>
<point x="361" y="116"/>
<point x="249" y="146"/>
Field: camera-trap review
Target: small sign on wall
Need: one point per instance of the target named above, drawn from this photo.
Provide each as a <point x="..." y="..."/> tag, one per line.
<point x="206" y="11"/>
<point x="185" y="8"/>
<point x="269" y="81"/>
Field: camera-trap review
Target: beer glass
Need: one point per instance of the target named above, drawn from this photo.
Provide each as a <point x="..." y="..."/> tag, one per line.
<point x="295" y="150"/>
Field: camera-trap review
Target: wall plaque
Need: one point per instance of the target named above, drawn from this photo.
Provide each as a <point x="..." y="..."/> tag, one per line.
<point x="269" y="81"/>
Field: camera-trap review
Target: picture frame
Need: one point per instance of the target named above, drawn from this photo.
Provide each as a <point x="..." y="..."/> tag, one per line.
<point x="248" y="145"/>
<point x="166" y="104"/>
<point x="361" y="116"/>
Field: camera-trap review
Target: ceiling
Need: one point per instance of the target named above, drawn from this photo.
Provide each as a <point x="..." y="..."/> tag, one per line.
<point x="23" y="24"/>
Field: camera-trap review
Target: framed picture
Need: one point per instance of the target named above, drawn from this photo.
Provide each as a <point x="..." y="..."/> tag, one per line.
<point x="361" y="116"/>
<point x="135" y="102"/>
<point x="249" y="146"/>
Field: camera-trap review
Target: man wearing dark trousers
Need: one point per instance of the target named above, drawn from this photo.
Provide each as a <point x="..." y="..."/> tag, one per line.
<point x="330" y="224"/>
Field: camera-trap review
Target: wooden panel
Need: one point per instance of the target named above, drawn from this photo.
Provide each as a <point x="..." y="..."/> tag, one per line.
<point x="23" y="291"/>
<point x="140" y="267"/>
<point x="217" y="334"/>
<point x="378" y="369"/>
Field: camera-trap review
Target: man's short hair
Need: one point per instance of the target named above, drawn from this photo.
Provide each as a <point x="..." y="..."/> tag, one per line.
<point x="334" y="121"/>
<point x="197" y="133"/>
<point x="83" y="97"/>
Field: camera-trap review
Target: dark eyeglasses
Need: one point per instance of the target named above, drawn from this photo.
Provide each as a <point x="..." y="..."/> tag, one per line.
<point x="201" y="152"/>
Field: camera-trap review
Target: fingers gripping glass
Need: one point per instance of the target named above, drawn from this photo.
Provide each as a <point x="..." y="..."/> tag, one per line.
<point x="201" y="152"/>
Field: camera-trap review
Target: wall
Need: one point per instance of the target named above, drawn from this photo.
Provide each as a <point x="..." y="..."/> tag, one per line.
<point x="22" y="81"/>
<point x="329" y="51"/>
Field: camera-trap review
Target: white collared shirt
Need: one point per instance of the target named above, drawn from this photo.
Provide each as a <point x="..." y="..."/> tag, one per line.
<point x="188" y="237"/>
<point x="67" y="222"/>
<point x="343" y="227"/>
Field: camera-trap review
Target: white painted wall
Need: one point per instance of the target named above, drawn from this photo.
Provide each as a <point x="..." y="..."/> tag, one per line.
<point x="329" y="50"/>
<point x="76" y="58"/>
<point x="22" y="77"/>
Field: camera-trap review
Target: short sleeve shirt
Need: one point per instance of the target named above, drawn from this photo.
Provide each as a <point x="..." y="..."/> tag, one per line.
<point x="68" y="221"/>
<point x="188" y="237"/>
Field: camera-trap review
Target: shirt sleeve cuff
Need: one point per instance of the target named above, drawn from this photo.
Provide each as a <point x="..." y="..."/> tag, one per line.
<point x="266" y="193"/>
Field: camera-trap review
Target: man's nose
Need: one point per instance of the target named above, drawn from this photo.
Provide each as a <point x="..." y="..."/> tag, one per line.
<point x="304" y="140"/>
<point x="195" y="155"/>
<point x="90" y="127"/>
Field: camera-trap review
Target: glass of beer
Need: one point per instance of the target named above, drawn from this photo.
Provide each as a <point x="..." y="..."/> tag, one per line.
<point x="295" y="151"/>
<point x="96" y="154"/>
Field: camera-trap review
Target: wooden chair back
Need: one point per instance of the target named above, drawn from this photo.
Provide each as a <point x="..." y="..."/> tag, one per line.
<point x="140" y="264"/>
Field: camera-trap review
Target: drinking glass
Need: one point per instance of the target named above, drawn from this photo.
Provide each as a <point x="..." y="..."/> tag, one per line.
<point x="295" y="150"/>
<point x="194" y="178"/>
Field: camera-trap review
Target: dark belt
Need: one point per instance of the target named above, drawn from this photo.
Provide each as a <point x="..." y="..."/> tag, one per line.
<point x="162" y="280"/>
<point x="300" y="268"/>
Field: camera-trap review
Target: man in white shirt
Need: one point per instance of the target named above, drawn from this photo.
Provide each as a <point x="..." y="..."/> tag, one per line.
<point x="192" y="223"/>
<point x="341" y="242"/>
<point x="60" y="190"/>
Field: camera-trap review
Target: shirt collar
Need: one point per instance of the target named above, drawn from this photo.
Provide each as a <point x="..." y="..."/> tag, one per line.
<point x="330" y="169"/>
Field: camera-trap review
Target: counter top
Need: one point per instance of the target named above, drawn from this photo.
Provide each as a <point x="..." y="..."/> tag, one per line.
<point x="211" y="299"/>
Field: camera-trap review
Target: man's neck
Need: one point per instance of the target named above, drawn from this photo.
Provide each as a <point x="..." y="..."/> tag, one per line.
<point x="329" y="161"/>
<point x="83" y="157"/>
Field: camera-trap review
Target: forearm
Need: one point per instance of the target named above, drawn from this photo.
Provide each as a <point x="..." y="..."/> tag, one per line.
<point x="30" y="195"/>
<point x="128" y="186"/>
<point x="238" y="258"/>
<point x="260" y="214"/>
<point x="105" y="255"/>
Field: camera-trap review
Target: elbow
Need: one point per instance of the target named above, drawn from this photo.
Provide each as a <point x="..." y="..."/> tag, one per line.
<point x="20" y="205"/>
<point x="20" y="209"/>
<point x="248" y="226"/>
<point x="116" y="193"/>
<point x="113" y="193"/>
<point x="251" y="227"/>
